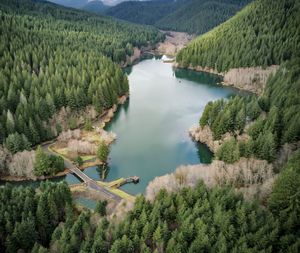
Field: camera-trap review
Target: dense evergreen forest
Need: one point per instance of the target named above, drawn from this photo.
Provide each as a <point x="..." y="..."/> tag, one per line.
<point x="270" y="36"/>
<point x="191" y="220"/>
<point x="28" y="216"/>
<point x="192" y="16"/>
<point x="54" y="57"/>
<point x="143" y="12"/>
<point x="274" y="117"/>
<point x="264" y="33"/>
<point x="200" y="16"/>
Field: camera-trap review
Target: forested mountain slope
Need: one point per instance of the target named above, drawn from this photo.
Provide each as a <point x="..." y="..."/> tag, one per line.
<point x="71" y="3"/>
<point x="53" y="57"/>
<point x="265" y="32"/>
<point x="189" y="220"/>
<point x="192" y="16"/>
<point x="200" y="16"/>
<point x="143" y="12"/>
<point x="95" y="7"/>
<point x="272" y="120"/>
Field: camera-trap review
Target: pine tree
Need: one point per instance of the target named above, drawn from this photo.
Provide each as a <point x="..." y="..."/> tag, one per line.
<point x="42" y="162"/>
<point x="103" y="151"/>
<point x="101" y="207"/>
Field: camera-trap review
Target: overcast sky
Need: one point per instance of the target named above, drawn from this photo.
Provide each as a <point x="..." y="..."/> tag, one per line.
<point x="80" y="3"/>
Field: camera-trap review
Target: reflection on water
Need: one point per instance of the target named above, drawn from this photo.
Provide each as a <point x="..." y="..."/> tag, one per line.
<point x="198" y="77"/>
<point x="103" y="171"/>
<point x="89" y="203"/>
<point x="204" y="154"/>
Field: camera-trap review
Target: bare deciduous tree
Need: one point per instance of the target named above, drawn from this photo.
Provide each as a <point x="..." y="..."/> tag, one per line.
<point x="22" y="164"/>
<point x="244" y="174"/>
<point x="82" y="147"/>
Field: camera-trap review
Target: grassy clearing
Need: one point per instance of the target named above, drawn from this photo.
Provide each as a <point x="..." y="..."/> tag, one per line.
<point x="62" y="151"/>
<point x="78" y="187"/>
<point x="122" y="194"/>
<point x="116" y="183"/>
<point x="91" y="136"/>
<point x="87" y="157"/>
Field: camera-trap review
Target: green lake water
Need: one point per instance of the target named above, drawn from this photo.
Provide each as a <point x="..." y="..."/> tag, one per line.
<point x="152" y="126"/>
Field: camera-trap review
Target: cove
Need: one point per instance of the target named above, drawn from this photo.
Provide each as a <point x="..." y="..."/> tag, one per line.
<point x="152" y="126"/>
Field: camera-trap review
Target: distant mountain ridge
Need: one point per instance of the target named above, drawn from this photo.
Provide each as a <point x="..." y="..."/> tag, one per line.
<point x="143" y="12"/>
<point x="71" y="3"/>
<point x="95" y="6"/>
<point x="192" y="16"/>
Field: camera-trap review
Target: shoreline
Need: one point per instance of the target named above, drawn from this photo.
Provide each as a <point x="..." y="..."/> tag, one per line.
<point x="104" y="117"/>
<point x="173" y="42"/>
<point x="250" y="79"/>
<point x="135" y="59"/>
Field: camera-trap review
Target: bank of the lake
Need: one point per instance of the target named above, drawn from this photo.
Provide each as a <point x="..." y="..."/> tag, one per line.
<point x="250" y="79"/>
<point x="152" y="126"/>
<point x="99" y="121"/>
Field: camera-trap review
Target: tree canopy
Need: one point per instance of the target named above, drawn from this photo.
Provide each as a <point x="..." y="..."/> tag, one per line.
<point x="191" y="220"/>
<point x="192" y="16"/>
<point x="263" y="33"/>
<point x="54" y="57"/>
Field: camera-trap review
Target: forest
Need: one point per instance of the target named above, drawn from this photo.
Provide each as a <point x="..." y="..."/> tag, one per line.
<point x="54" y="57"/>
<point x="191" y="16"/>
<point x="264" y="33"/>
<point x="191" y="220"/>
<point x="200" y="16"/>
<point x="273" y="118"/>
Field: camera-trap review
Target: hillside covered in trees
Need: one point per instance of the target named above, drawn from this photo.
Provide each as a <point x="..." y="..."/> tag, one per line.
<point x="260" y="126"/>
<point x="265" y="32"/>
<point x="143" y="12"/>
<point x="272" y="119"/>
<point x="192" y="16"/>
<point x="200" y="16"/>
<point x="191" y="220"/>
<point x="95" y="7"/>
<point x="54" y="57"/>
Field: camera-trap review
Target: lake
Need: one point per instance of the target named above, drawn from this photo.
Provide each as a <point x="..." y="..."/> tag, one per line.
<point x="152" y="127"/>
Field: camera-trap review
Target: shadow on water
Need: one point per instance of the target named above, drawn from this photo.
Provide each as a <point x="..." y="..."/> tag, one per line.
<point x="117" y="115"/>
<point x="198" y="77"/>
<point x="103" y="171"/>
<point x="204" y="154"/>
<point x="86" y="202"/>
<point x="206" y="79"/>
<point x="126" y="105"/>
<point x="127" y="70"/>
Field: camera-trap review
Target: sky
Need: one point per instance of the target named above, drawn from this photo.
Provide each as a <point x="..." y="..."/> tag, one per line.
<point x="80" y="3"/>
